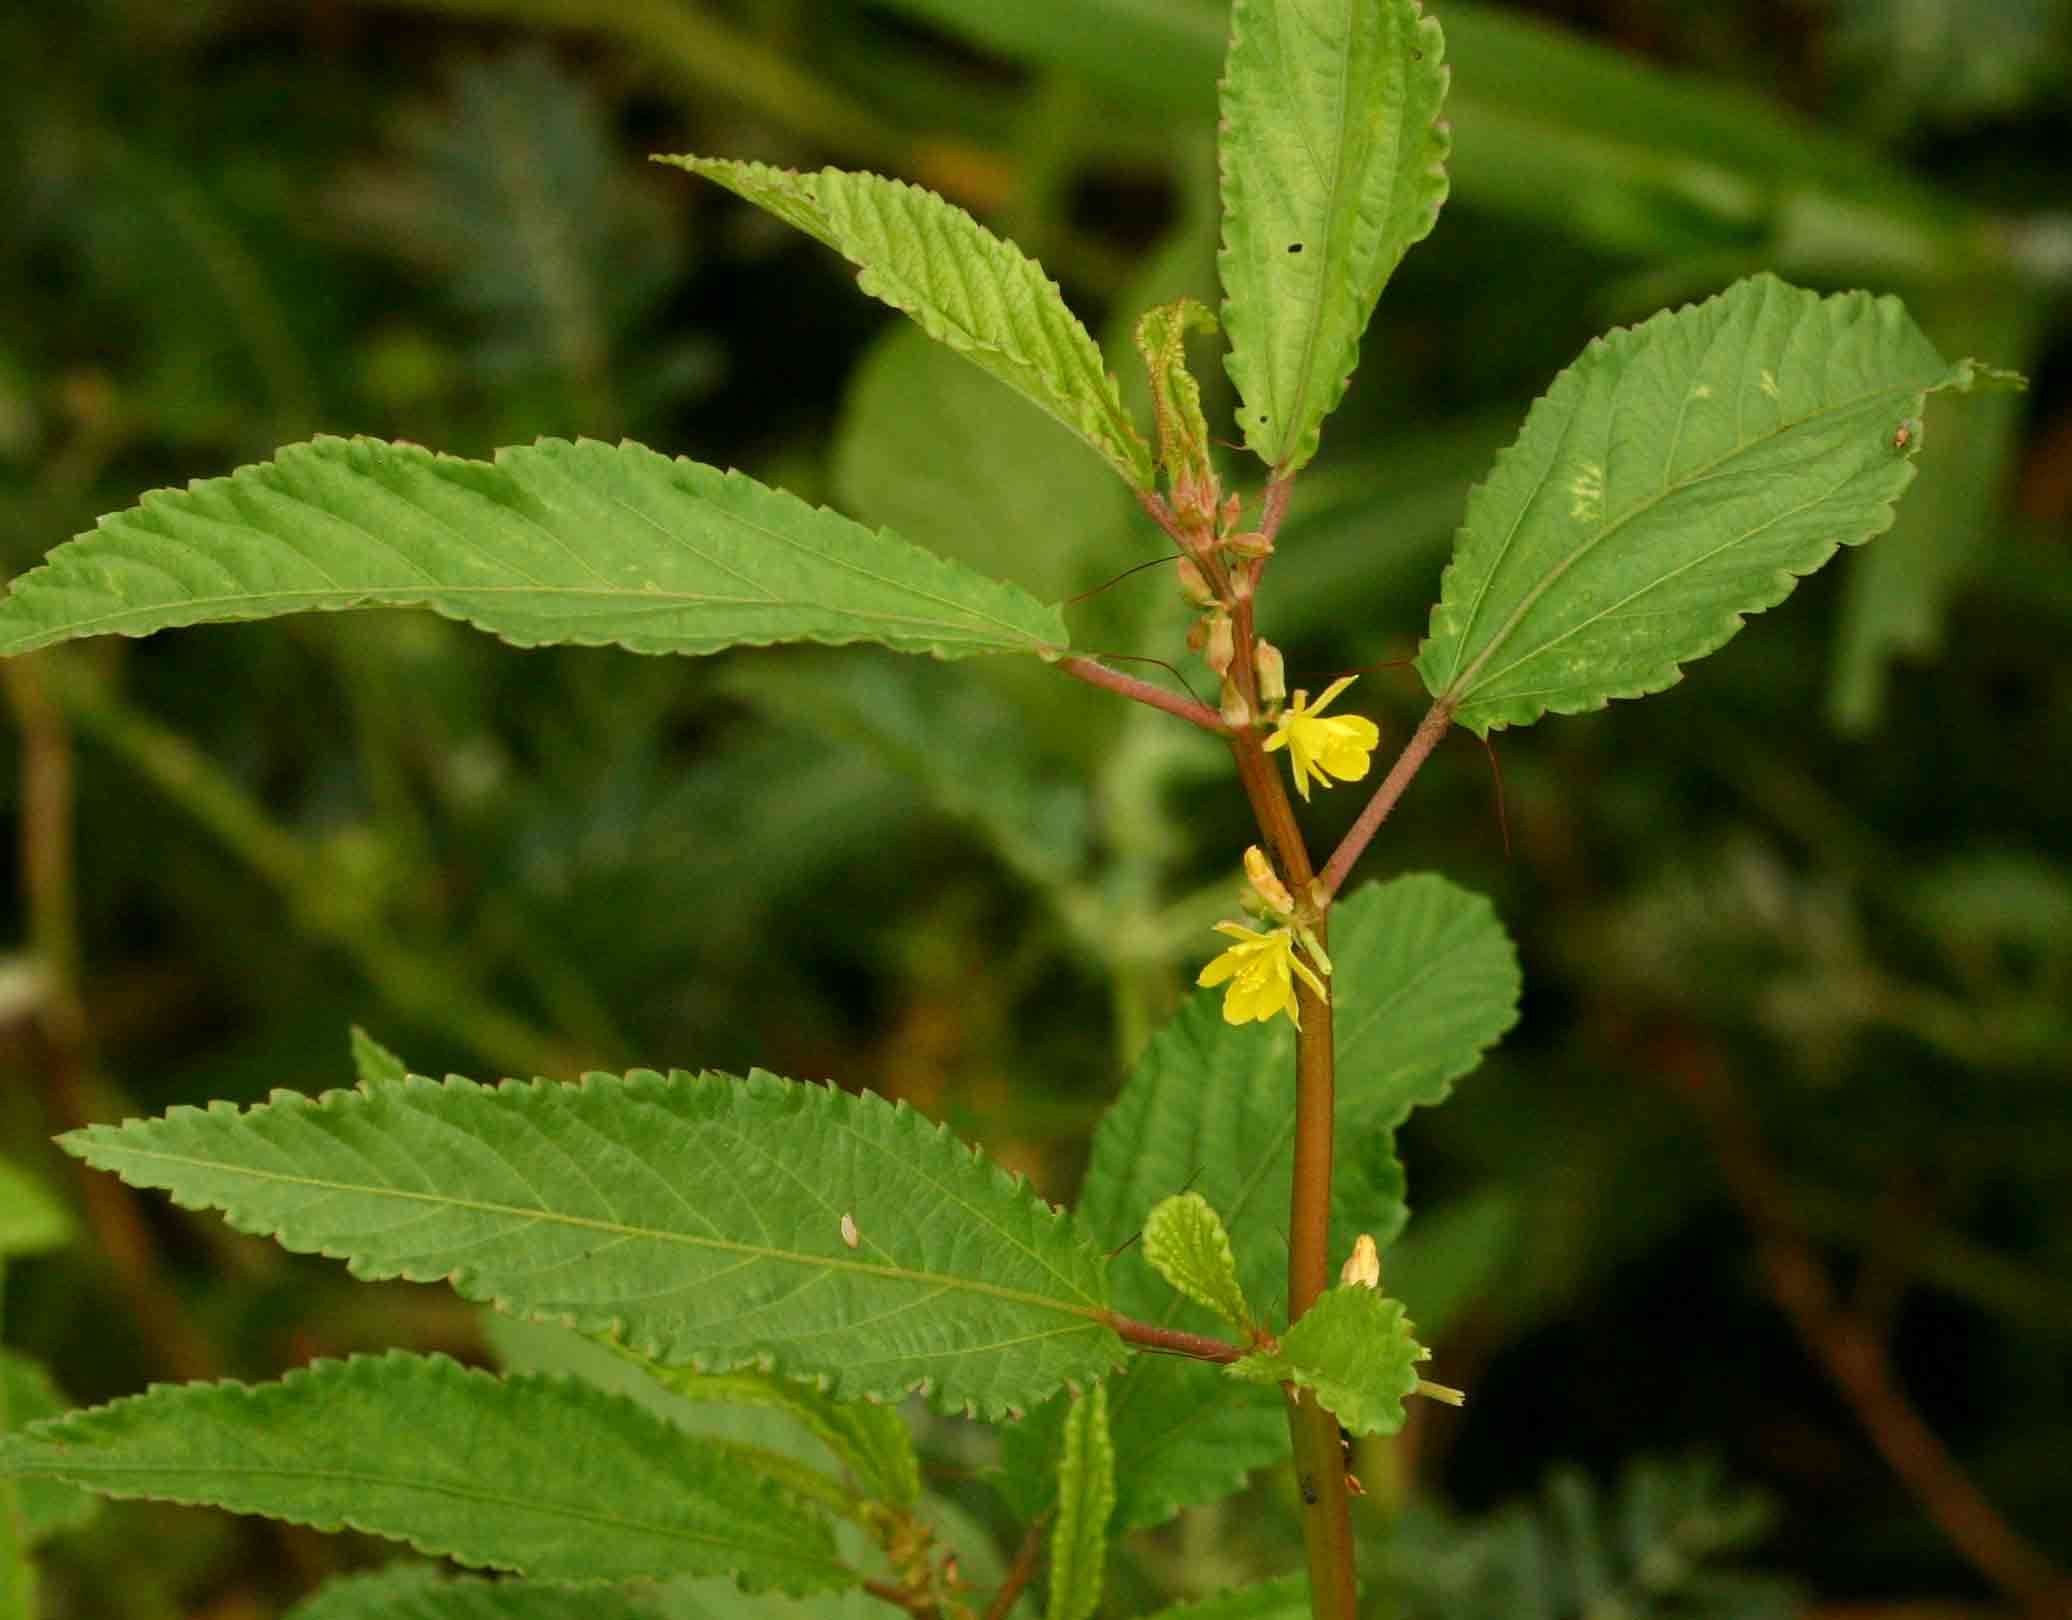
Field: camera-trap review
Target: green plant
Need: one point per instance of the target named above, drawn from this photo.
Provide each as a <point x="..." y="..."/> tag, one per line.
<point x="757" y="1242"/>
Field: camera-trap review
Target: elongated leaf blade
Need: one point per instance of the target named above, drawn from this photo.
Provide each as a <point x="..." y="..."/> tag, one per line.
<point x="1086" y="1499"/>
<point x="546" y="1477"/>
<point x="697" y="1218"/>
<point x="555" y="542"/>
<point x="961" y="284"/>
<point x="1354" y="1351"/>
<point x="1681" y="475"/>
<point x="1425" y="980"/>
<point x="1333" y="168"/>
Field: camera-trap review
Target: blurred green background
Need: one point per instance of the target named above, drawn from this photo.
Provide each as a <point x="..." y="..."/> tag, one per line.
<point x="1798" y="933"/>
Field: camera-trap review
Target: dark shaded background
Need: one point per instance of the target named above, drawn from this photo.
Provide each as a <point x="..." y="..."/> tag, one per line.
<point x="1798" y="933"/>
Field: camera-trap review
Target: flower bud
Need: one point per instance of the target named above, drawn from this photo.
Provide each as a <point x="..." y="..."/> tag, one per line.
<point x="1266" y="883"/>
<point x="1271" y="672"/>
<point x="1236" y="712"/>
<point x="1221" y="650"/>
<point x="1362" y="1268"/>
<point x="1193" y="586"/>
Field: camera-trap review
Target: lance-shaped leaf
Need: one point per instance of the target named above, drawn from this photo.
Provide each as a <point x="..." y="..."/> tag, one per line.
<point x="697" y="1218"/>
<point x="871" y="1441"/>
<point x="965" y="287"/>
<point x="1185" y="1243"/>
<point x="1333" y="167"/>
<point x="1425" y="979"/>
<point x="555" y="542"/>
<point x="1678" y="477"/>
<point x="547" y="1477"/>
<point x="1086" y="1499"/>
<point x="426" y="1592"/>
<point x="1353" y="1351"/>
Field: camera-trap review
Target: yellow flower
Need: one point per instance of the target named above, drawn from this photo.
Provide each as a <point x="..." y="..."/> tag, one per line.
<point x="1261" y="969"/>
<point x="1323" y="748"/>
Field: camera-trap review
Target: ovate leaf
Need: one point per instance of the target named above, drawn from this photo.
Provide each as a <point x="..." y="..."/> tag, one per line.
<point x="1678" y="477"/>
<point x="543" y="1476"/>
<point x="1333" y="167"/>
<point x="1086" y="1499"/>
<point x="425" y="1592"/>
<point x="1354" y="1351"/>
<point x="582" y="543"/>
<point x="965" y="287"/>
<point x="1184" y="1242"/>
<point x="697" y="1218"/>
<point x="1425" y="980"/>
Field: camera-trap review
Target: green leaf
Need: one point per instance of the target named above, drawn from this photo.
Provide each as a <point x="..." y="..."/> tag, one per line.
<point x="556" y="542"/>
<point x="1183" y="433"/>
<point x="373" y="1062"/>
<point x="1284" y="1599"/>
<point x="1425" y="980"/>
<point x="1184" y="1242"/>
<point x="1086" y="1499"/>
<point x="32" y="1219"/>
<point x="871" y="1441"/>
<point x="1333" y="168"/>
<point x="543" y="1476"/>
<point x="697" y="1218"/>
<point x="412" y="1591"/>
<point x="1678" y="477"/>
<point x="965" y="287"/>
<point x="46" y="1507"/>
<point x="1354" y="1351"/>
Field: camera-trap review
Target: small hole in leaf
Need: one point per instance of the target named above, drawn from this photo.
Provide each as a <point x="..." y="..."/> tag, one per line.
<point x="1294" y="247"/>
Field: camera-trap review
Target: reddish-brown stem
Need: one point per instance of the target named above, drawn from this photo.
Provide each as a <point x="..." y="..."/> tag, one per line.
<point x="1171" y="1341"/>
<point x="1019" y="1571"/>
<point x="1098" y="674"/>
<point x="1415" y="752"/>
<point x="1856" y="1361"/>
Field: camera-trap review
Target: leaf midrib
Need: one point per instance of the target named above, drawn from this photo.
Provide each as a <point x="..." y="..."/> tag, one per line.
<point x="1459" y="688"/>
<point x="945" y="1282"/>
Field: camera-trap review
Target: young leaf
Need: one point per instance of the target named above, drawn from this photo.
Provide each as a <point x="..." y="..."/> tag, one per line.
<point x="1184" y="1242"/>
<point x="1333" y="168"/>
<point x="871" y="1441"/>
<point x="373" y="1062"/>
<point x="1086" y="1499"/>
<point x="554" y="542"/>
<point x="1354" y="1351"/>
<point x="1678" y="477"/>
<point x="965" y="287"/>
<point x="697" y="1218"/>
<point x="1183" y="433"/>
<point x="543" y="1476"/>
<point x="412" y="1591"/>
